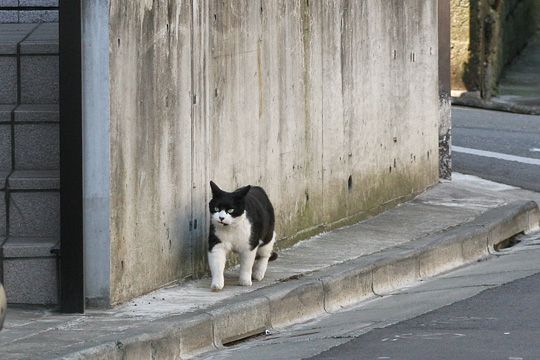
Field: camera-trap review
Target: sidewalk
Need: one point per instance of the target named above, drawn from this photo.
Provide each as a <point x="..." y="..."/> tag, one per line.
<point x="519" y="87"/>
<point x="452" y="224"/>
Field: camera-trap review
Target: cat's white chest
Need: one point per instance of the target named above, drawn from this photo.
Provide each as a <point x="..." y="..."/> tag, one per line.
<point x="235" y="237"/>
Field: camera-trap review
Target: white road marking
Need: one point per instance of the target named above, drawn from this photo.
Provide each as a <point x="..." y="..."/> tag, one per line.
<point x="535" y="150"/>
<point x="496" y="155"/>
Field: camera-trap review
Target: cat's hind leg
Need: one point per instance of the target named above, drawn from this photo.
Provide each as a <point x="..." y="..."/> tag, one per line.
<point x="216" y="259"/>
<point x="246" y="265"/>
<point x="263" y="255"/>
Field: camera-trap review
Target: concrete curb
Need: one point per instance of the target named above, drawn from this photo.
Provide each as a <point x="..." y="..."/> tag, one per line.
<point x="473" y="100"/>
<point x="323" y="291"/>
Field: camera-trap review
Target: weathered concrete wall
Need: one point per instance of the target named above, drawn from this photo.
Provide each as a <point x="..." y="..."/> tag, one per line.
<point x="150" y="144"/>
<point x="486" y="36"/>
<point x="332" y="106"/>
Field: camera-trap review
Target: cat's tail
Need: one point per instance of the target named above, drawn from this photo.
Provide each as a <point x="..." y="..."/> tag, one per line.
<point x="273" y="257"/>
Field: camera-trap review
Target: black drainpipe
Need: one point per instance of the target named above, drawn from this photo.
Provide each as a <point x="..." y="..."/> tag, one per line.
<point x="71" y="194"/>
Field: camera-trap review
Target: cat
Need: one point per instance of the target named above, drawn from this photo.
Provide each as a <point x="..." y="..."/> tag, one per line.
<point x="241" y="221"/>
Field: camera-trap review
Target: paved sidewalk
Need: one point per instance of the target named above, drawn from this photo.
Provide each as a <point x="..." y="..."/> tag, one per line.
<point x="449" y="225"/>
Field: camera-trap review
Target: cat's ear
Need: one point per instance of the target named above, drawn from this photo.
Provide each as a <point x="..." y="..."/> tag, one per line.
<point x="216" y="191"/>
<point x="240" y="193"/>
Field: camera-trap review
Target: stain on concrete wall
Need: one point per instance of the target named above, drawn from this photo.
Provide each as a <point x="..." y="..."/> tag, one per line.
<point x="150" y="100"/>
<point x="332" y="106"/>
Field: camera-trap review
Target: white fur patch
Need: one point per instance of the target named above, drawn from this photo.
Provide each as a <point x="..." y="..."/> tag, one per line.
<point x="260" y="265"/>
<point x="235" y="235"/>
<point x="222" y="217"/>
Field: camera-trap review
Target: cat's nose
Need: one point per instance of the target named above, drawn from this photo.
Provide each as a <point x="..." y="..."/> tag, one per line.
<point x="221" y="218"/>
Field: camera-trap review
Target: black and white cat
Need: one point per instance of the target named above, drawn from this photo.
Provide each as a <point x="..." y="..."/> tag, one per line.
<point x="242" y="221"/>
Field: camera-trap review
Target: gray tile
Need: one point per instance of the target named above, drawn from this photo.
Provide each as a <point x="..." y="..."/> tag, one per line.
<point x="5" y="147"/>
<point x="43" y="40"/>
<point x="38" y="16"/>
<point x="11" y="35"/>
<point x="35" y="180"/>
<point x="39" y="79"/>
<point x="24" y="247"/>
<point x="31" y="281"/>
<point x="37" y="113"/>
<point x="9" y="16"/>
<point x="5" y="113"/>
<point x="9" y="2"/>
<point x="34" y="214"/>
<point x="8" y="79"/>
<point x="48" y="3"/>
<point x="37" y="147"/>
<point x="3" y="181"/>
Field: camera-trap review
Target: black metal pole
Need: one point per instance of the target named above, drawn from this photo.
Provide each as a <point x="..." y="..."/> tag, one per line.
<point x="71" y="195"/>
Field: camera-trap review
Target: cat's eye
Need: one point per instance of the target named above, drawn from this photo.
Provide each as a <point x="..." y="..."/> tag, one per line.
<point x="230" y="211"/>
<point x="216" y="209"/>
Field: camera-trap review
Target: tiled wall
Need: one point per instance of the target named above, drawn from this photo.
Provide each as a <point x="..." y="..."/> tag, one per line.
<point x="29" y="162"/>
<point x="28" y="11"/>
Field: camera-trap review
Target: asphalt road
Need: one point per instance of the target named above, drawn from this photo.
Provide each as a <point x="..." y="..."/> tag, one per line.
<point x="498" y="146"/>
<point x="500" y="323"/>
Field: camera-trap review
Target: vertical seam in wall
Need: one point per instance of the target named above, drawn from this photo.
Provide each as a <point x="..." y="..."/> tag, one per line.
<point x="192" y="234"/>
<point x="205" y="52"/>
<point x="19" y="62"/>
<point x="322" y="113"/>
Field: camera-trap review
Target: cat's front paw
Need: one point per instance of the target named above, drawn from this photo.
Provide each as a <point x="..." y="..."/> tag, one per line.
<point x="258" y="275"/>
<point x="244" y="281"/>
<point x="216" y="286"/>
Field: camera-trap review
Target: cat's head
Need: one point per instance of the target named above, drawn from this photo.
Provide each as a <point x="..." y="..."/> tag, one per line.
<point x="226" y="208"/>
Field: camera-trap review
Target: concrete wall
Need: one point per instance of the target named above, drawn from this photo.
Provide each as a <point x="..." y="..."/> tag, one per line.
<point x="151" y="145"/>
<point x="486" y="36"/>
<point x="332" y="106"/>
